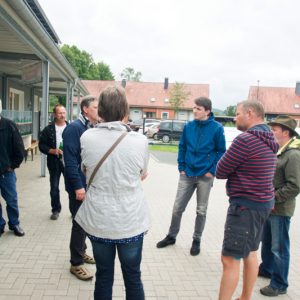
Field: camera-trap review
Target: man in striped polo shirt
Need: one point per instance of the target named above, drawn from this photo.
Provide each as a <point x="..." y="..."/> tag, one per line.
<point x="249" y="166"/>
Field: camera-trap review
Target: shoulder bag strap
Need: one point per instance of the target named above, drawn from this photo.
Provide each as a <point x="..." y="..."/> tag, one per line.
<point x="109" y="151"/>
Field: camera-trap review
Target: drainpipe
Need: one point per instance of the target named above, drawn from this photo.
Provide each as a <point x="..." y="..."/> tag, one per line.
<point x="45" y="108"/>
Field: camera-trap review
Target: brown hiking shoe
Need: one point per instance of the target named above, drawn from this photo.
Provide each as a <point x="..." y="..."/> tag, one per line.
<point x="88" y="259"/>
<point x="81" y="272"/>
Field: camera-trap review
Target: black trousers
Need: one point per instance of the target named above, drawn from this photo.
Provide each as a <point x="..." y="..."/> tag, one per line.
<point x="55" y="171"/>
<point x="78" y="235"/>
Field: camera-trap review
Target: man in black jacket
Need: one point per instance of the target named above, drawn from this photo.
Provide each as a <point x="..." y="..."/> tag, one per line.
<point x="11" y="156"/>
<point x="50" y="143"/>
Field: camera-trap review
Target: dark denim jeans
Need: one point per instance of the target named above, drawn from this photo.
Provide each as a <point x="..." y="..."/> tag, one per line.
<point x="275" y="251"/>
<point x="130" y="256"/>
<point x="185" y="190"/>
<point x="55" y="171"/>
<point x="9" y="193"/>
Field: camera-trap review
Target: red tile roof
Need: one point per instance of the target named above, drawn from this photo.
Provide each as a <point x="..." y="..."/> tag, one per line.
<point x="139" y="94"/>
<point x="277" y="100"/>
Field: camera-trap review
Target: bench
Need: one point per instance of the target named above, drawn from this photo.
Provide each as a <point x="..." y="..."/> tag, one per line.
<point x="31" y="148"/>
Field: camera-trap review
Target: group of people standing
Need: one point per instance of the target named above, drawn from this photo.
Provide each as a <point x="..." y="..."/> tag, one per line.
<point x="263" y="179"/>
<point x="104" y="166"/>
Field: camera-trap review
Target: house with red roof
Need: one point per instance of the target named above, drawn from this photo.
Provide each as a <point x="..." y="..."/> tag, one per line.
<point x="151" y="99"/>
<point x="278" y="100"/>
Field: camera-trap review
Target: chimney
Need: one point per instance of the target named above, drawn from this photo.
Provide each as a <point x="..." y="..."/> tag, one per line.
<point x="297" y="89"/>
<point x="123" y="83"/>
<point x="166" y="84"/>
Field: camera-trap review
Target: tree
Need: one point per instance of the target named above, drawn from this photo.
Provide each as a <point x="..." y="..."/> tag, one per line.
<point x="130" y="75"/>
<point x="84" y="64"/>
<point x="178" y="96"/>
<point x="230" y="110"/>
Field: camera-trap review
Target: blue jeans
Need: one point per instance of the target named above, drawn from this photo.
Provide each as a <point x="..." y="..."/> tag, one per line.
<point x="9" y="193"/>
<point x="130" y="256"/>
<point x="186" y="187"/>
<point x="55" y="172"/>
<point x="275" y="251"/>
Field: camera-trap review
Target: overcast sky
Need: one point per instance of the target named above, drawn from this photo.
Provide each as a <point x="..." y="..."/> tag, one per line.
<point x="229" y="44"/>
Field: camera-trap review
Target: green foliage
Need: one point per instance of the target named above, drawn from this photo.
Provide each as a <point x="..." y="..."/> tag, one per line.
<point x="84" y="64"/>
<point x="218" y="112"/>
<point x="178" y="96"/>
<point x="130" y="75"/>
<point x="230" y="110"/>
<point x="53" y="100"/>
<point x="229" y="124"/>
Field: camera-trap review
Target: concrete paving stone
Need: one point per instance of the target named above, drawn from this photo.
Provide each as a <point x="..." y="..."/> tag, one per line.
<point x="5" y="286"/>
<point x="83" y="295"/>
<point x="63" y="284"/>
<point x="37" y="295"/>
<point x="8" y="297"/>
<point x="10" y="292"/>
<point x="37" y="281"/>
<point x="64" y="298"/>
<point x="55" y="292"/>
<point x="19" y="284"/>
<point x="45" y="286"/>
<point x="28" y="289"/>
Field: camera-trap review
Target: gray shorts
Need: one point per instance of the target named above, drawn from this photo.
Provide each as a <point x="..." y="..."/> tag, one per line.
<point x="243" y="230"/>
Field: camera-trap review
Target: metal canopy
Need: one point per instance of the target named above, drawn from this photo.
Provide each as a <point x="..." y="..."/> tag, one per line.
<point x="26" y="36"/>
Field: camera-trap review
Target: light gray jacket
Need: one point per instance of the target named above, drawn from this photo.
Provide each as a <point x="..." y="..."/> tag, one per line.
<point x="115" y="206"/>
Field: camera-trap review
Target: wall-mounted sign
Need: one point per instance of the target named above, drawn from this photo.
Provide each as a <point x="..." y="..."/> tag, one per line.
<point x="32" y="73"/>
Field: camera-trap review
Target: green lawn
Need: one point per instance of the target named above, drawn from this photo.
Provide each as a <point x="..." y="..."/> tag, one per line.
<point x="165" y="148"/>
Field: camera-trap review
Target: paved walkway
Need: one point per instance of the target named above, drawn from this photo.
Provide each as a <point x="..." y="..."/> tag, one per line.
<point x="37" y="266"/>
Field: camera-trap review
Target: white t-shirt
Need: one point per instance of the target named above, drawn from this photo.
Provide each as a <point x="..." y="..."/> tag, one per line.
<point x="59" y="130"/>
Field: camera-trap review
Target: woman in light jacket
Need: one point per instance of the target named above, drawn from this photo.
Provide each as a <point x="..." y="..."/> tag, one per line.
<point x="115" y="214"/>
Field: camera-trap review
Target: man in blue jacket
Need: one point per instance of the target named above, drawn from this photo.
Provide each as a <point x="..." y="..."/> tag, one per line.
<point x="201" y="146"/>
<point x="75" y="183"/>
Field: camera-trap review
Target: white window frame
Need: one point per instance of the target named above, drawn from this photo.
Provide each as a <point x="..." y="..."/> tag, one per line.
<point x="12" y="99"/>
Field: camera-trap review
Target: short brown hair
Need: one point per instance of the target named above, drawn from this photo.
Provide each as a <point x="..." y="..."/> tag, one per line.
<point x="204" y="102"/>
<point x="86" y="101"/>
<point x="113" y="105"/>
<point x="255" y="105"/>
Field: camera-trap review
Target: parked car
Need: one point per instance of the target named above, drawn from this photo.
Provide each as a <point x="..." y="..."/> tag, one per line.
<point x="148" y="123"/>
<point x="152" y="131"/>
<point x="170" y="130"/>
<point x="133" y="126"/>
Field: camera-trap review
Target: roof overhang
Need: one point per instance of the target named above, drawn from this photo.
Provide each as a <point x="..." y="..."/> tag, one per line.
<point x="27" y="37"/>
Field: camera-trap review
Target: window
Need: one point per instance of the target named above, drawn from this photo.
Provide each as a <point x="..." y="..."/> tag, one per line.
<point x="165" y="125"/>
<point x="178" y="126"/>
<point x="16" y="100"/>
<point x="165" y="115"/>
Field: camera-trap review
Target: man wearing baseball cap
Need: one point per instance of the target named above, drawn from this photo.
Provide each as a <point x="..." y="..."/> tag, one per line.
<point x="275" y="251"/>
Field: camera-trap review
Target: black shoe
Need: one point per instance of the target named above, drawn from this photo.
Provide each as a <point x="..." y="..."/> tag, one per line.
<point x="18" y="231"/>
<point x="195" y="249"/>
<point x="271" y="292"/>
<point x="263" y="274"/>
<point x="54" y="215"/>
<point x="166" y="242"/>
<point x="1" y="231"/>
